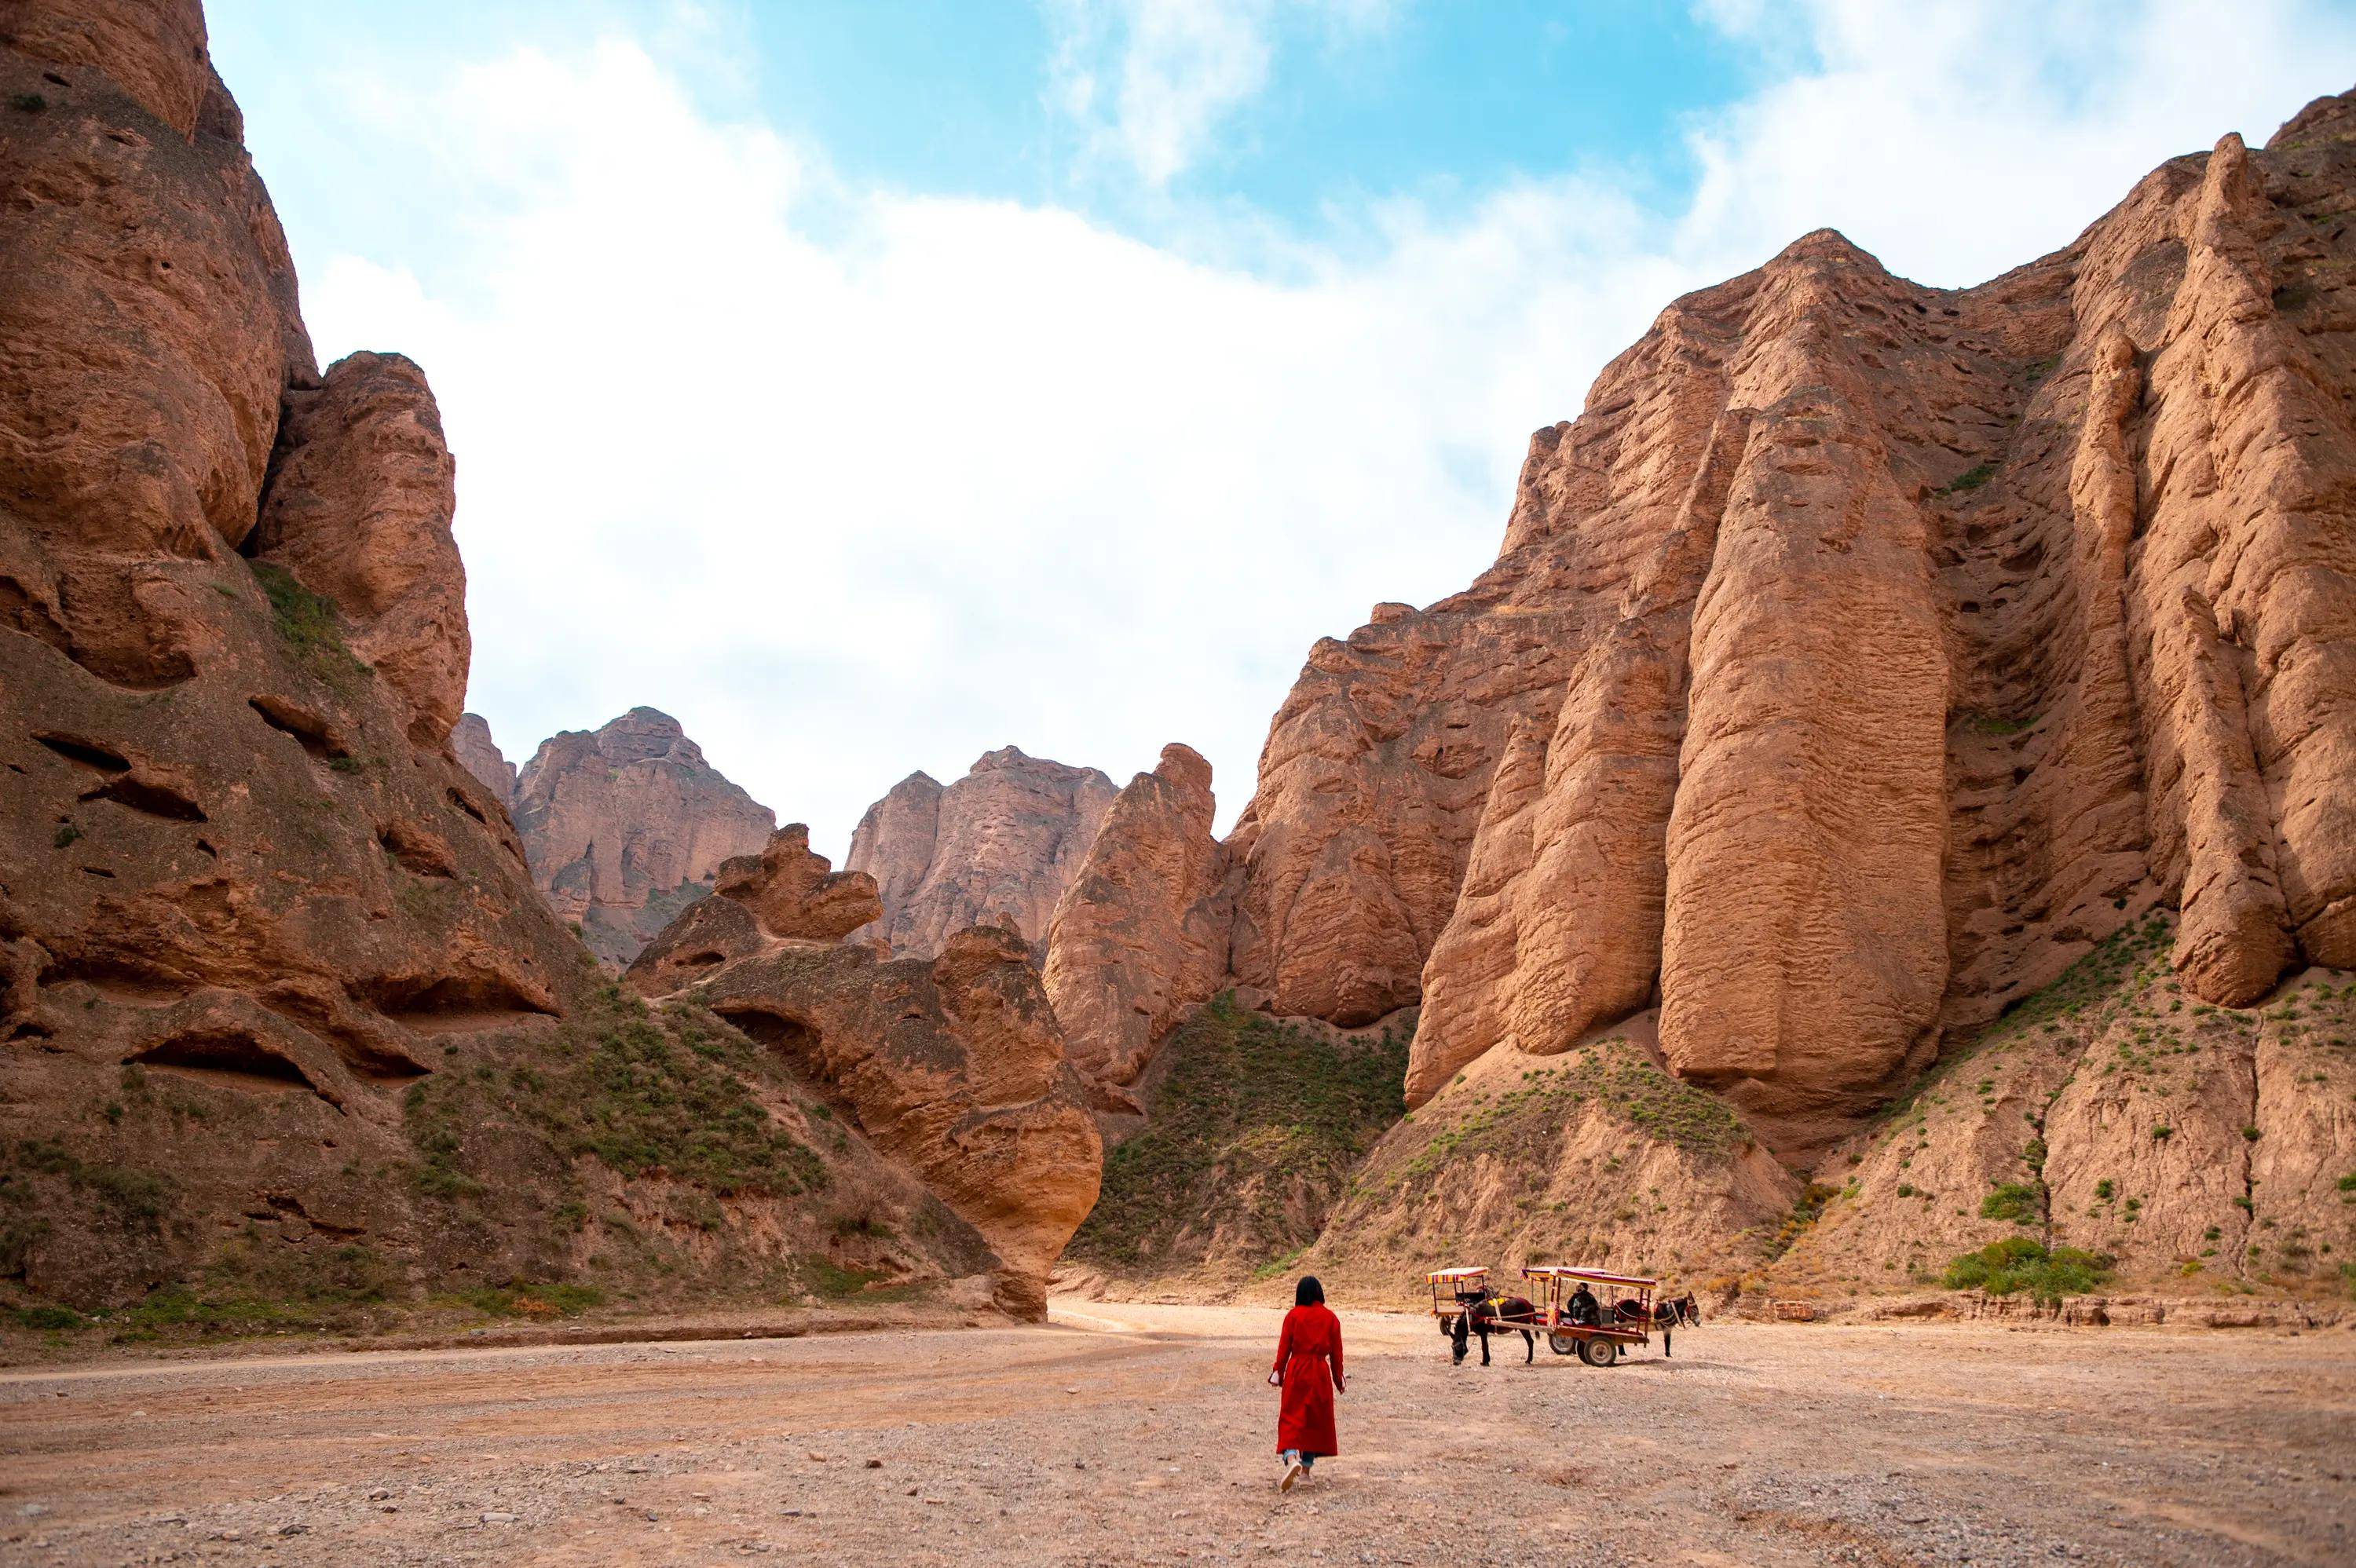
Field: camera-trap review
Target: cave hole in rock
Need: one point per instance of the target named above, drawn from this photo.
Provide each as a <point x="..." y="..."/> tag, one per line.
<point x="315" y="734"/>
<point x="458" y="799"/>
<point x="449" y="1004"/>
<point x="147" y="796"/>
<point x="88" y="754"/>
<point x="380" y="1064"/>
<point x="796" y="1039"/>
<point x="125" y="982"/>
<point x="232" y="1056"/>
<point x="415" y="852"/>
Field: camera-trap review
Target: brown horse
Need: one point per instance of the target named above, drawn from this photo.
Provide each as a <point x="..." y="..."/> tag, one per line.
<point x="1484" y="1314"/>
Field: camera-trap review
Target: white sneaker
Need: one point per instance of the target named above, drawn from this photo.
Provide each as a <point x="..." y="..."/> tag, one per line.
<point x="1293" y="1471"/>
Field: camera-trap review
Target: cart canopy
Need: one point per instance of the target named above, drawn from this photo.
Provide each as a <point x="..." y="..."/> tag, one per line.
<point x="1592" y="1276"/>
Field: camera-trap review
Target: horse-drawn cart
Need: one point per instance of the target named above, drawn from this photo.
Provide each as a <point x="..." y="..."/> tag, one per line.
<point x="1453" y="1291"/>
<point x="1615" y="1311"/>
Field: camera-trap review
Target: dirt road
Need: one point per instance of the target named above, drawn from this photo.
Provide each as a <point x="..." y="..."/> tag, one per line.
<point x="1132" y="1434"/>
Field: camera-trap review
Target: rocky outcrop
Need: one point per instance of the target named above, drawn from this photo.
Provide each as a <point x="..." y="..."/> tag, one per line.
<point x="150" y="311"/>
<point x="2200" y="1148"/>
<point x="626" y="825"/>
<point x="1141" y="936"/>
<point x="784" y="893"/>
<point x="480" y="755"/>
<point x="953" y="1065"/>
<point x="1004" y="840"/>
<point x="357" y="508"/>
<point x="1594" y="1154"/>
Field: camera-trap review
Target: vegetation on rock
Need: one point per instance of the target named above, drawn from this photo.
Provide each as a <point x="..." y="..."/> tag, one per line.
<point x="1254" y="1130"/>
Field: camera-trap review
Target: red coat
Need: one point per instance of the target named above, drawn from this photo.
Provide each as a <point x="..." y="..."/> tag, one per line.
<point x="1311" y="1338"/>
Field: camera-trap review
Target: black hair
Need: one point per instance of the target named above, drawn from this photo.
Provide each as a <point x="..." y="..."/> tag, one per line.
<point x="1309" y="1293"/>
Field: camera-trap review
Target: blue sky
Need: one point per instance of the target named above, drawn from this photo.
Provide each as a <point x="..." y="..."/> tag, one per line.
<point x="871" y="385"/>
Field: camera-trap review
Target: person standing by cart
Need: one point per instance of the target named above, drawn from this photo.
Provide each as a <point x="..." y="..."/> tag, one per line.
<point x="1310" y="1343"/>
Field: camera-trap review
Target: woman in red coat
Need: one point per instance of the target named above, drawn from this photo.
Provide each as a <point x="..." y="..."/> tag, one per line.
<point x="1311" y="1340"/>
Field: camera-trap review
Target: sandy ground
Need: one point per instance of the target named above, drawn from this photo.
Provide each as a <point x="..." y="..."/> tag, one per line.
<point x="1129" y="1435"/>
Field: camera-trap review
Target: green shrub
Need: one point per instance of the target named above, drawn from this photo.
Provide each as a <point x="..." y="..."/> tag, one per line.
<point x="537" y="1301"/>
<point x="2014" y="1200"/>
<point x="2018" y="1264"/>
<point x="1970" y="479"/>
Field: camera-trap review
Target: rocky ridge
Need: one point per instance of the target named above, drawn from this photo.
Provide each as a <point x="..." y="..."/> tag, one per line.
<point x="1004" y="840"/>
<point x="626" y="825"/>
<point x="952" y="1064"/>
<point x="479" y="754"/>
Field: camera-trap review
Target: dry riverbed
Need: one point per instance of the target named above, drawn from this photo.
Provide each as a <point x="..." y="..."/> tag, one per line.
<point x="1134" y="1434"/>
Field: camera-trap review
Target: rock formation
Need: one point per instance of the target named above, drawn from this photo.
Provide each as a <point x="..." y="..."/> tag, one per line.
<point x="953" y="1065"/>
<point x="235" y="858"/>
<point x="480" y="755"/>
<point x="1856" y="662"/>
<point x="284" y="1023"/>
<point x="357" y="508"/>
<point x="626" y="825"/>
<point x="1140" y="935"/>
<point x="1006" y="839"/>
<point x="1862" y="658"/>
<point x="2112" y="1111"/>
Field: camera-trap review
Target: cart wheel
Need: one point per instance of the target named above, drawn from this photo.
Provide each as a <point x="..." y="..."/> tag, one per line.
<point x="1599" y="1351"/>
<point x="1561" y="1344"/>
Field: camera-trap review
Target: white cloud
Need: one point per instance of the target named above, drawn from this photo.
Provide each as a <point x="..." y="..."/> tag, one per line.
<point x="1957" y="138"/>
<point x="856" y="482"/>
<point x="1151" y="80"/>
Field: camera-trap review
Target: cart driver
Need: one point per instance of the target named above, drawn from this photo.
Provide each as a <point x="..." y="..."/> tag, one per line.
<point x="1582" y="1307"/>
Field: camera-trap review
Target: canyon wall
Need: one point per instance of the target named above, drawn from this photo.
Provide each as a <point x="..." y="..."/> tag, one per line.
<point x="1863" y="657"/>
<point x="626" y="825"/>
<point x="1004" y="840"/>
<point x="287" y="1033"/>
<point x="1856" y="659"/>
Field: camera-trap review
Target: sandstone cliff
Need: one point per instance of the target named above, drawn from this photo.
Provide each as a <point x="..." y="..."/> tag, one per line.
<point x="1006" y="839"/>
<point x="1857" y="659"/>
<point x="480" y="755"/>
<point x="1861" y="659"/>
<point x="285" y="1030"/>
<point x="953" y="1064"/>
<point x="626" y="825"/>
<point x="1141" y="936"/>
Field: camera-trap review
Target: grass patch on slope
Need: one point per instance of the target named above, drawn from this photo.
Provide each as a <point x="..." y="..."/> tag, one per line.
<point x="1525" y="1119"/>
<point x="309" y="626"/>
<point x="643" y="1096"/>
<point x="1255" y="1129"/>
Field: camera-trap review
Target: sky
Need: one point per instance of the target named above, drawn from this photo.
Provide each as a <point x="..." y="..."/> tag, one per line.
<point x="874" y="383"/>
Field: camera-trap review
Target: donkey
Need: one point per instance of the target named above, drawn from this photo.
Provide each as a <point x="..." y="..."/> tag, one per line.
<point x="1667" y="1316"/>
<point x="1484" y="1314"/>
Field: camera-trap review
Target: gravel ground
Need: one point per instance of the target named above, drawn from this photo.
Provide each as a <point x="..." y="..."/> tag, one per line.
<point x="1134" y="1434"/>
